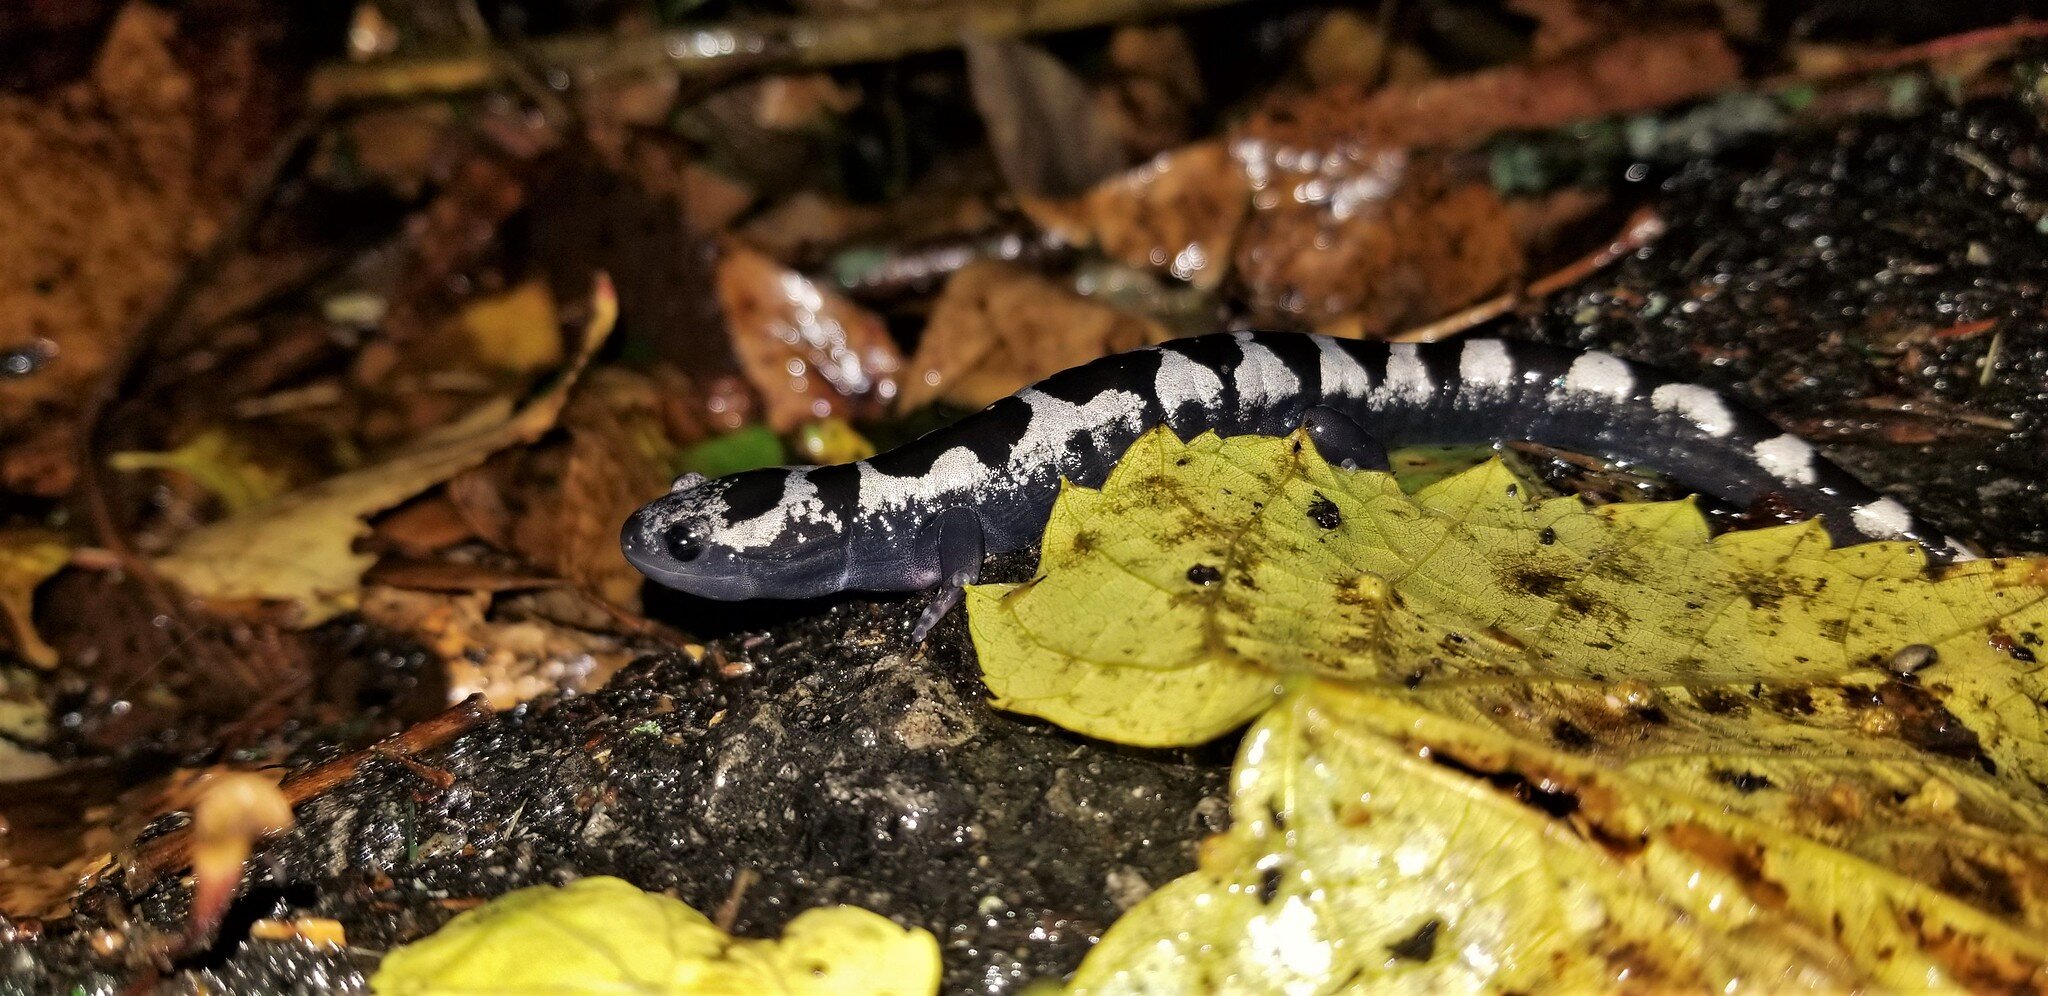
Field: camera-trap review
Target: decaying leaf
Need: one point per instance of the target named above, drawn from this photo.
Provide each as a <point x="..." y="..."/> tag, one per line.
<point x="602" y="935"/>
<point x="1362" y="246"/>
<point x="1150" y="99"/>
<point x="1253" y="556"/>
<point x="809" y="351"/>
<point x="300" y="548"/>
<point x="617" y="454"/>
<point x="28" y="557"/>
<point x="998" y="328"/>
<point x="1379" y="844"/>
<point x="1178" y="213"/>
<point x="217" y="461"/>
<point x="831" y="440"/>
<point x="1545" y="741"/>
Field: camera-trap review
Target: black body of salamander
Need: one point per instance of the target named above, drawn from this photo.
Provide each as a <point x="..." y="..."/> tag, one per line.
<point x="924" y="514"/>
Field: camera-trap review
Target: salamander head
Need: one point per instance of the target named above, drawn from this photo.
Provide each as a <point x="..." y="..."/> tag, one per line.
<point x="760" y="534"/>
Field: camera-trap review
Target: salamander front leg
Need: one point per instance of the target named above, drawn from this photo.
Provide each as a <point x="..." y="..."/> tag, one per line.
<point x="954" y="544"/>
<point x="1342" y="441"/>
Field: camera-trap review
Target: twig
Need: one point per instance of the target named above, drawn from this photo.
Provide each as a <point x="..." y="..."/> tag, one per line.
<point x="2002" y="36"/>
<point x="173" y="851"/>
<point x="1643" y="228"/>
<point x="728" y="911"/>
<point x="779" y="43"/>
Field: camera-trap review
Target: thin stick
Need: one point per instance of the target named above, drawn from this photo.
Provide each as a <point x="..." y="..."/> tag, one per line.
<point x="173" y="851"/>
<point x="777" y="43"/>
<point x="1642" y="229"/>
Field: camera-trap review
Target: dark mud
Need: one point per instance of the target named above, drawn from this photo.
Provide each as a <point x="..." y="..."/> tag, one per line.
<point x="1880" y="290"/>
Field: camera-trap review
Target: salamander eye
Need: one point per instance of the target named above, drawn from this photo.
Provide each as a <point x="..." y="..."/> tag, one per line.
<point x="684" y="549"/>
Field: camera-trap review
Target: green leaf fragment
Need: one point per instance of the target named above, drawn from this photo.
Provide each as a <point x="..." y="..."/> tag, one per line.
<point x="602" y="935"/>
<point x="750" y="448"/>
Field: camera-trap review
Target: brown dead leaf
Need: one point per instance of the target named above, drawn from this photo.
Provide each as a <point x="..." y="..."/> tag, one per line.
<point x="809" y="351"/>
<point x="1632" y="73"/>
<point x="300" y="548"/>
<point x="395" y="147"/>
<point x="62" y="829"/>
<point x="710" y="200"/>
<point x="1179" y="214"/>
<point x="100" y="183"/>
<point x="998" y="328"/>
<point x="1563" y="25"/>
<point x="1349" y="48"/>
<point x="454" y="578"/>
<point x="456" y="230"/>
<point x="617" y="454"/>
<point x="419" y="528"/>
<point x="1048" y="138"/>
<point x="1397" y="242"/>
<point x="479" y="498"/>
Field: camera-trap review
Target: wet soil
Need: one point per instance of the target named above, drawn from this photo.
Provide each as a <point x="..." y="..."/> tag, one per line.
<point x="1880" y="290"/>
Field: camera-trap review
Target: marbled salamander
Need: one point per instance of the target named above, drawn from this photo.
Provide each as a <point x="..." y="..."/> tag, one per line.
<point x="924" y="514"/>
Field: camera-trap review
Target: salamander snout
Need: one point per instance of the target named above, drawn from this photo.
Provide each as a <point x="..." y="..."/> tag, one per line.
<point x="674" y="540"/>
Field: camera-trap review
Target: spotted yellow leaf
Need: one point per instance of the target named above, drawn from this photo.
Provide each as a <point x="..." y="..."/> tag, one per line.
<point x="1379" y="845"/>
<point x="1539" y="745"/>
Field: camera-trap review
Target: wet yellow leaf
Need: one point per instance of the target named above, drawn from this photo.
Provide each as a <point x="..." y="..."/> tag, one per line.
<point x="300" y="547"/>
<point x="1541" y="744"/>
<point x="1379" y="845"/>
<point x="602" y="935"/>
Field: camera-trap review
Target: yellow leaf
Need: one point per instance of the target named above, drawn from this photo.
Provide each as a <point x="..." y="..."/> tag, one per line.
<point x="516" y="330"/>
<point x="832" y="440"/>
<point x="300" y="547"/>
<point x="602" y="935"/>
<point x="1541" y="744"/>
<point x="28" y="557"/>
<point x="216" y="461"/>
<point x="1253" y="552"/>
<point x="1376" y="845"/>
